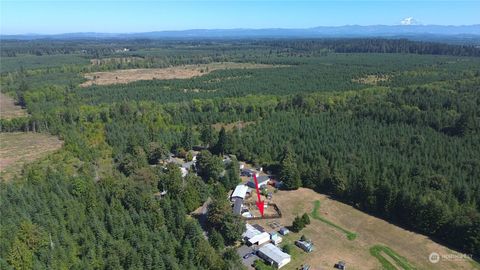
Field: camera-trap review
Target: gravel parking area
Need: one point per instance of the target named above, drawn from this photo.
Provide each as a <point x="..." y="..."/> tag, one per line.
<point x="242" y="251"/>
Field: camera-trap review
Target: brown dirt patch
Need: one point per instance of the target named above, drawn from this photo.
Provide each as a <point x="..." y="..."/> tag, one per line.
<point x="332" y="245"/>
<point x="179" y="72"/>
<point x="17" y="149"/>
<point x="8" y="109"/>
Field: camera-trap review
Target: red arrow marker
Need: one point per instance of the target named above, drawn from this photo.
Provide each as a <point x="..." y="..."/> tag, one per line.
<point x="260" y="204"/>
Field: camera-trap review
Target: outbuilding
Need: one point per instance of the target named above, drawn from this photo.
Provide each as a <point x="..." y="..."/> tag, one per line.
<point x="273" y="255"/>
<point x="284" y="231"/>
<point x="237" y="206"/>
<point x="276" y="238"/>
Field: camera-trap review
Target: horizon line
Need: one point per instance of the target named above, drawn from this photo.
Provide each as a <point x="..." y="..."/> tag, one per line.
<point x="239" y="28"/>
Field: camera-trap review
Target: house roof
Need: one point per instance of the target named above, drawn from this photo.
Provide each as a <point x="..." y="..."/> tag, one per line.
<point x="250" y="231"/>
<point x="259" y="237"/>
<point x="274" y="253"/>
<point x="240" y="191"/>
<point x="237" y="206"/>
<point x="258" y="227"/>
<point x="263" y="178"/>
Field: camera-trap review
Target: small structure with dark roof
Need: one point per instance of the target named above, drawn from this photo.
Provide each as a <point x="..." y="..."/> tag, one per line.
<point x="237" y="206"/>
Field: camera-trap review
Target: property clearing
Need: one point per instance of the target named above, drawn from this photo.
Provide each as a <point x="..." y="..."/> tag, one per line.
<point x="402" y="247"/>
<point x="8" y="109"/>
<point x="179" y="72"/>
<point x="17" y="149"/>
<point x="350" y="235"/>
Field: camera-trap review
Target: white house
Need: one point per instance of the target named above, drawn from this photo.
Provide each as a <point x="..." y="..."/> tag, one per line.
<point x="254" y="236"/>
<point x="240" y="191"/>
<point x="250" y="232"/>
<point x="259" y="239"/>
<point x="274" y="256"/>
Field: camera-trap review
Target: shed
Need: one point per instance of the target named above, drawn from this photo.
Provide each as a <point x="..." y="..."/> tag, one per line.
<point x="237" y="206"/>
<point x="274" y="256"/>
<point x="284" y="231"/>
<point x="276" y="238"/>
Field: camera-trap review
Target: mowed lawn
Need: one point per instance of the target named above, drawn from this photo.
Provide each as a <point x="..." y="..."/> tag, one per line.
<point x="18" y="148"/>
<point x="332" y="244"/>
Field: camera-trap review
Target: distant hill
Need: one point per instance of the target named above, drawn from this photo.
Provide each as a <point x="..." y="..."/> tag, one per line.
<point x="415" y="32"/>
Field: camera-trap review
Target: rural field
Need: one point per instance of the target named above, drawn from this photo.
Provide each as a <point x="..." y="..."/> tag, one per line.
<point x="178" y="72"/>
<point x="332" y="245"/>
<point x="8" y="109"/>
<point x="18" y="149"/>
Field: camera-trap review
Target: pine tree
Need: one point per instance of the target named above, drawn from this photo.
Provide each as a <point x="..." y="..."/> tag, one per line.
<point x="207" y="135"/>
<point x="187" y="139"/>
<point x="220" y="147"/>
<point x="289" y="173"/>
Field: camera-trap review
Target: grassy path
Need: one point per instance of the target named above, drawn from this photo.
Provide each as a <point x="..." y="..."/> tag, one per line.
<point x="378" y="251"/>
<point x="350" y="235"/>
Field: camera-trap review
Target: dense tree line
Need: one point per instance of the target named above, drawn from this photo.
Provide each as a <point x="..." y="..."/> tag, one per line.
<point x="372" y="45"/>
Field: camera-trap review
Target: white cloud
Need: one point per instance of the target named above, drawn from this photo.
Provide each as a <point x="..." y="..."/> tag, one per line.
<point x="409" y="21"/>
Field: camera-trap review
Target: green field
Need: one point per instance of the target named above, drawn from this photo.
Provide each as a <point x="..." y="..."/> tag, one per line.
<point x="400" y="262"/>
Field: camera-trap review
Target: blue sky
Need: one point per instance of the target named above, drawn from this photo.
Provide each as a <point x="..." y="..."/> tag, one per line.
<point x="48" y="17"/>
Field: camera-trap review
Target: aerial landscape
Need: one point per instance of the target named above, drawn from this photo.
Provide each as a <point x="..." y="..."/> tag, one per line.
<point x="240" y="135"/>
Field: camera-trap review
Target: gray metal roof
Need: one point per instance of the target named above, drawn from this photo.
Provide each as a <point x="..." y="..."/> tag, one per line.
<point x="237" y="206"/>
<point x="274" y="253"/>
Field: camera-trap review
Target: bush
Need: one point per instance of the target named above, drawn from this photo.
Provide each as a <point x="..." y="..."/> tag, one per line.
<point x="300" y="222"/>
<point x="297" y="224"/>
<point x="287" y="248"/>
<point x="260" y="265"/>
<point x="306" y="219"/>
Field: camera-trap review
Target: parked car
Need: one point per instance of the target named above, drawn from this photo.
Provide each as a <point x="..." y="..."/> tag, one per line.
<point x="248" y="255"/>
